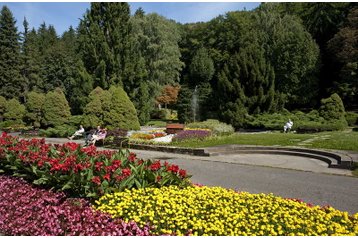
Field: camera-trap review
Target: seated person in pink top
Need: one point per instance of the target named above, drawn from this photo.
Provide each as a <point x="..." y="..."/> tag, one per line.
<point x="99" y="136"/>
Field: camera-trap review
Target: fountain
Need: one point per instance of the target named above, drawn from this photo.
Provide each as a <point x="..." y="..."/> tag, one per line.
<point x="195" y="104"/>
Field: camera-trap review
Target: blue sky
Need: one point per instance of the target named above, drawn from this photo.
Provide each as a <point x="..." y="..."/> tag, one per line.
<point x="63" y="14"/>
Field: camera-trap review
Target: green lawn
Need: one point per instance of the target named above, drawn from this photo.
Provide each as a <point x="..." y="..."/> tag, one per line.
<point x="326" y="140"/>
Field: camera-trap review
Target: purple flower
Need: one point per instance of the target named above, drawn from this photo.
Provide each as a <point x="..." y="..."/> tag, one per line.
<point x="191" y="134"/>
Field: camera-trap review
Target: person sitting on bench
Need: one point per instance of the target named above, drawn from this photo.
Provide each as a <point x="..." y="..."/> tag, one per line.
<point x="287" y="127"/>
<point x="79" y="132"/>
<point x="101" y="135"/>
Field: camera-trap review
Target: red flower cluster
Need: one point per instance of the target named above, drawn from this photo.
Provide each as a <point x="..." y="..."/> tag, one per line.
<point x="155" y="166"/>
<point x="69" y="166"/>
<point x="173" y="168"/>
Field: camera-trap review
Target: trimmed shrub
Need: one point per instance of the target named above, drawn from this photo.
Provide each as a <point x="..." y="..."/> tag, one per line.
<point x="352" y="118"/>
<point x="332" y="108"/>
<point x="122" y="113"/>
<point x="55" y="108"/>
<point x="34" y="112"/>
<point x="58" y="131"/>
<point x="217" y="127"/>
<point x="112" y="109"/>
<point x="14" y="112"/>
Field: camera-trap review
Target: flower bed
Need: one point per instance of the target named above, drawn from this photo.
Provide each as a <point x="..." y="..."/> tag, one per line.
<point x="26" y="210"/>
<point x="218" y="211"/>
<point x="191" y="134"/>
<point x="142" y="136"/>
<point x="84" y="172"/>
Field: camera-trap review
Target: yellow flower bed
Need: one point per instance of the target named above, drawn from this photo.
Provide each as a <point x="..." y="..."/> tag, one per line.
<point x="218" y="211"/>
<point x="196" y="129"/>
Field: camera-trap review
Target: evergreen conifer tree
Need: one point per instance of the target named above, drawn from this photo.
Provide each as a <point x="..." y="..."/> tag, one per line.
<point x="246" y="85"/>
<point x="110" y="108"/>
<point x="56" y="110"/>
<point x="12" y="83"/>
<point x="34" y="104"/>
<point x="14" y="112"/>
<point x="122" y="113"/>
<point x="104" y="38"/>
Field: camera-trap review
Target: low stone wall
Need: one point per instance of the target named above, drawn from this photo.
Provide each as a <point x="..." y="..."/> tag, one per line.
<point x="169" y="149"/>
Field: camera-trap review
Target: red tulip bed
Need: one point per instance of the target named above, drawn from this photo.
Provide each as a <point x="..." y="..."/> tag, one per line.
<point x="75" y="173"/>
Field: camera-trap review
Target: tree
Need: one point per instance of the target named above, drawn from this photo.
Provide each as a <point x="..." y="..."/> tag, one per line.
<point x="169" y="95"/>
<point x="56" y="109"/>
<point x="201" y="68"/>
<point x="122" y="113"/>
<point x="145" y="105"/>
<point x="34" y="112"/>
<point x="246" y="85"/>
<point x="31" y="60"/>
<point x="80" y="86"/>
<point x="95" y="110"/>
<point x="344" y="51"/>
<point x="154" y="62"/>
<point x="11" y="82"/>
<point x="332" y="108"/>
<point x="47" y="37"/>
<point x="292" y="52"/>
<point x="185" y="114"/>
<point x="158" y="39"/>
<point x="59" y="68"/>
<point x="14" y="112"/>
<point x="111" y="109"/>
<point x="104" y="38"/>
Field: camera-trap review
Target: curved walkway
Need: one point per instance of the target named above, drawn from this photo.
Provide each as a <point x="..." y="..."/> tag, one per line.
<point x="269" y="160"/>
<point x="288" y="176"/>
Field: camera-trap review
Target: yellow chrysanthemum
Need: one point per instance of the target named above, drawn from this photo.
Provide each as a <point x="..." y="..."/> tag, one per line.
<point x="219" y="211"/>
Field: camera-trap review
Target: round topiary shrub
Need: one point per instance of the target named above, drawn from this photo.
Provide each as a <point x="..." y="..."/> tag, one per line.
<point x="332" y="108"/>
<point x="56" y="110"/>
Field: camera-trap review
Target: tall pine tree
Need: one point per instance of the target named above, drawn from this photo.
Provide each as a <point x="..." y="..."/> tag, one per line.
<point x="104" y="33"/>
<point x="12" y="83"/>
<point x="31" y="59"/>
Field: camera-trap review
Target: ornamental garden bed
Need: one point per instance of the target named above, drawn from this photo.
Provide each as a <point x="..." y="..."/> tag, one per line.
<point x="71" y="190"/>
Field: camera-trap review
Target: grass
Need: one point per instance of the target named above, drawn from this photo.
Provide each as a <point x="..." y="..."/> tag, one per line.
<point x="343" y="140"/>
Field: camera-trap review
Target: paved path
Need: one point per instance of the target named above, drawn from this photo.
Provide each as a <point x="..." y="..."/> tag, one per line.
<point x="287" y="176"/>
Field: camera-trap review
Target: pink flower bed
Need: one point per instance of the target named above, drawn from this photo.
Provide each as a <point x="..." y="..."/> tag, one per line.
<point x="27" y="210"/>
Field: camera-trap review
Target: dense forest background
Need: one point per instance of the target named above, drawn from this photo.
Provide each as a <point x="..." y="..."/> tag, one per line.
<point x="278" y="56"/>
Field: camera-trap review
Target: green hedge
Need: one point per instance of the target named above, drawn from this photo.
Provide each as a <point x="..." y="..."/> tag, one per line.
<point x="58" y="131"/>
<point x="302" y="122"/>
<point x="352" y="118"/>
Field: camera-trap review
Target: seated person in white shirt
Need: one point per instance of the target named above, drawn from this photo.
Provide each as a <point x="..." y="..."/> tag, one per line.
<point x="79" y="132"/>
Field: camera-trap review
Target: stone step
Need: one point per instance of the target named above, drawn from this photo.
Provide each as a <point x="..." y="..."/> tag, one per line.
<point x="333" y="159"/>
